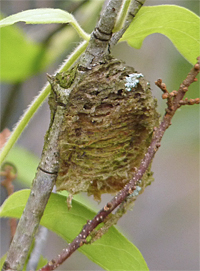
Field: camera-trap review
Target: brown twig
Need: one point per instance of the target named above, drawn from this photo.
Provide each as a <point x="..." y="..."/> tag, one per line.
<point x="174" y="101"/>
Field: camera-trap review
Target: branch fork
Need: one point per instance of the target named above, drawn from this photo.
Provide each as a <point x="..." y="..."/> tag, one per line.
<point x="175" y="98"/>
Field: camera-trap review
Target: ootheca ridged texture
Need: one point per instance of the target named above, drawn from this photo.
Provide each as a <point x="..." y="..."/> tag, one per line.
<point x="106" y="130"/>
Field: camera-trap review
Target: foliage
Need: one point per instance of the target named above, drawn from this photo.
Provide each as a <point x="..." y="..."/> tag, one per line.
<point x="182" y="45"/>
<point x="180" y="25"/>
<point x="25" y="162"/>
<point x="14" y="68"/>
<point x="112" y="252"/>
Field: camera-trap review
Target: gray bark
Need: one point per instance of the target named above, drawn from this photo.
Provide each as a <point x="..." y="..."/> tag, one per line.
<point x="46" y="175"/>
<point x="40" y="192"/>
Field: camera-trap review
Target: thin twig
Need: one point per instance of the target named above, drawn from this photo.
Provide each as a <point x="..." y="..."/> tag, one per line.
<point x="102" y="38"/>
<point x="131" y="186"/>
<point x="133" y="10"/>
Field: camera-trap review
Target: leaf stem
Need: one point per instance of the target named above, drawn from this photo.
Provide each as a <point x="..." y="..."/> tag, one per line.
<point x="80" y="30"/>
<point x="37" y="102"/>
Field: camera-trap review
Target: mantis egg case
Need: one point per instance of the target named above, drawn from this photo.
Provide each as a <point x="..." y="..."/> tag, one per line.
<point x="107" y="128"/>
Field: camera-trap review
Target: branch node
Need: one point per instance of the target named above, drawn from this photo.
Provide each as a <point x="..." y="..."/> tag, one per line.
<point x="165" y="96"/>
<point x="173" y="93"/>
<point x="108" y="206"/>
<point x="158" y="145"/>
<point x="131" y="190"/>
<point x="164" y="87"/>
<point x="185" y="89"/>
<point x="197" y="66"/>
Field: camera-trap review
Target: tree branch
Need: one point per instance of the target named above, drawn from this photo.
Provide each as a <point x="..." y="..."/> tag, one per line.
<point x="48" y="167"/>
<point x="133" y="10"/>
<point x="174" y="102"/>
<point x="102" y="38"/>
<point x="39" y="245"/>
<point x="98" y="45"/>
<point x="40" y="192"/>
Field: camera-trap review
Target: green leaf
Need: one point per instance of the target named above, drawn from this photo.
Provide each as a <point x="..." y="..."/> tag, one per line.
<point x="25" y="162"/>
<point x="112" y="252"/>
<point x="39" y="16"/>
<point x="42" y="262"/>
<point x="179" y="24"/>
<point x="44" y="16"/>
<point x="20" y="56"/>
<point x="2" y="260"/>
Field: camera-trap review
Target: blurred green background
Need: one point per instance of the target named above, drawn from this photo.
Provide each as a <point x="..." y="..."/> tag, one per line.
<point x="164" y="223"/>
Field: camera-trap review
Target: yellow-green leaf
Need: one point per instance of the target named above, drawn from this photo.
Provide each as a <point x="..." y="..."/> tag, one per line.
<point x="44" y="16"/>
<point x="39" y="16"/>
<point x="179" y="24"/>
<point x="20" y="57"/>
<point x="25" y="162"/>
